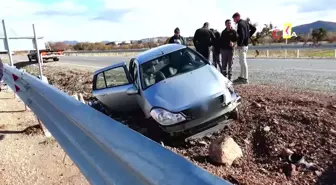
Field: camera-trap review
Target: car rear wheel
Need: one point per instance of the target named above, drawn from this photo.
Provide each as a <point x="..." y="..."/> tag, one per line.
<point x="55" y="59"/>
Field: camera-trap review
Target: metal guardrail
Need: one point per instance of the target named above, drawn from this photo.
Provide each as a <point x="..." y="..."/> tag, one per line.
<point x="106" y="151"/>
<point x="260" y="47"/>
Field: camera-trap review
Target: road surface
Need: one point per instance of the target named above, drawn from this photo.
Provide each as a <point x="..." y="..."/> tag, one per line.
<point x="313" y="74"/>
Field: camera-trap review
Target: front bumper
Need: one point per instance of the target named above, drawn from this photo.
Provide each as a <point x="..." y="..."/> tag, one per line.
<point x="194" y="125"/>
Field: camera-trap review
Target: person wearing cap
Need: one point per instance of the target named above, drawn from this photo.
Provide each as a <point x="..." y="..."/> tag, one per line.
<point x="203" y="38"/>
<point x="216" y="49"/>
<point x="228" y="37"/>
<point x="177" y="38"/>
<point x="245" y="31"/>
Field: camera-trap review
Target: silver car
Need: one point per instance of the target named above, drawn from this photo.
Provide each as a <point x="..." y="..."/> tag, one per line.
<point x="171" y="84"/>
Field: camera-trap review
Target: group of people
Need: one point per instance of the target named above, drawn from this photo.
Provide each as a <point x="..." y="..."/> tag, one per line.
<point x="222" y="45"/>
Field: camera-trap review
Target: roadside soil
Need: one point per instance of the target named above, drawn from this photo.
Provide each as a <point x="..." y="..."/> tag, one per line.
<point x="27" y="157"/>
<point x="300" y="121"/>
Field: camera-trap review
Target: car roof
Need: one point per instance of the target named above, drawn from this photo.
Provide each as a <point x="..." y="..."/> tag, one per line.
<point x="157" y="52"/>
<point x="147" y="55"/>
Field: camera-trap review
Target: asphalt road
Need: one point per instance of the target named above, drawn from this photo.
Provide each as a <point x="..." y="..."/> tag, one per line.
<point x="312" y="74"/>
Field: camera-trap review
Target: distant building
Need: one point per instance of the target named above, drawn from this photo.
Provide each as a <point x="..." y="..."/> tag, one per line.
<point x="149" y="40"/>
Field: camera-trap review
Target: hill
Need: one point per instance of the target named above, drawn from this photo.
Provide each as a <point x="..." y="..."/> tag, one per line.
<point x="305" y="28"/>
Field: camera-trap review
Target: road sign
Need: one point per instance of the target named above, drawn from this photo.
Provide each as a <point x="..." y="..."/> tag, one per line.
<point x="287" y="31"/>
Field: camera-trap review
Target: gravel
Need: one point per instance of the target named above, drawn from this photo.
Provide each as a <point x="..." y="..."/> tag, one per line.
<point x="273" y="121"/>
<point x="27" y="157"/>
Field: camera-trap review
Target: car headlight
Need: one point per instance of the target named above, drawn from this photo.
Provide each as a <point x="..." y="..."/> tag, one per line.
<point x="165" y="117"/>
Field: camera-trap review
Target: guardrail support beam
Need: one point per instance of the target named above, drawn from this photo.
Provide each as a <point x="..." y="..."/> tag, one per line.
<point x="285" y="53"/>
<point x="7" y="43"/>
<point x="267" y="53"/>
<point x="298" y="53"/>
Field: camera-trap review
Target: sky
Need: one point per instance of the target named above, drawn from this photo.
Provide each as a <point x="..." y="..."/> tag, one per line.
<point x="119" y="20"/>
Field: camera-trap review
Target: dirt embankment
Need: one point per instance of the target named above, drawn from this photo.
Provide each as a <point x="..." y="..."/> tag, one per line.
<point x="301" y="122"/>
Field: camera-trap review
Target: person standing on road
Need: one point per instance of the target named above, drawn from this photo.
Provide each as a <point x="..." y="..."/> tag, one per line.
<point x="177" y="38"/>
<point x="202" y="40"/>
<point x="216" y="49"/>
<point x="245" y="31"/>
<point x="227" y="39"/>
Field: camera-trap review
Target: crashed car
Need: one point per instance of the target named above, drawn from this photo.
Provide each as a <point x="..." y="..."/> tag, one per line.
<point x="171" y="84"/>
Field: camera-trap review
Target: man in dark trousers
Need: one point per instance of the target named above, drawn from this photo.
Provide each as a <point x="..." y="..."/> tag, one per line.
<point x="228" y="37"/>
<point x="202" y="40"/>
<point x="245" y="31"/>
<point x="216" y="49"/>
<point x="177" y="38"/>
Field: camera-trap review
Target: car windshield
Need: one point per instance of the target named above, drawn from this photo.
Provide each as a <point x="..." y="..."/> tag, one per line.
<point x="170" y="65"/>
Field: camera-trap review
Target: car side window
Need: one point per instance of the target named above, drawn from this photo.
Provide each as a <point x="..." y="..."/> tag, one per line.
<point x="116" y="77"/>
<point x="100" y="81"/>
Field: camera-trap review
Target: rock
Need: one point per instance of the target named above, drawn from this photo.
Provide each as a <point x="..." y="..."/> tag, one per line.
<point x="263" y="170"/>
<point x="287" y="152"/>
<point x="333" y="131"/>
<point x="267" y="129"/>
<point x="257" y="104"/>
<point x="318" y="173"/>
<point x="224" y="150"/>
<point x="275" y="121"/>
<point x="203" y="143"/>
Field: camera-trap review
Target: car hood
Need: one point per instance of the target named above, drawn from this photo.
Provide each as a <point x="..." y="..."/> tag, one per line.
<point x="183" y="91"/>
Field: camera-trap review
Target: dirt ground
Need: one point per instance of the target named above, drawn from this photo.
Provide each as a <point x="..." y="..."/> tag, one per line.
<point x="27" y="157"/>
<point x="297" y="121"/>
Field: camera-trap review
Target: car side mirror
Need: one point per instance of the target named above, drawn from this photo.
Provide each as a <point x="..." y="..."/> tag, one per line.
<point x="132" y="90"/>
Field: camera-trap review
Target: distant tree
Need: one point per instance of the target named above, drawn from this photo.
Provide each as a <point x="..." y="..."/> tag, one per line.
<point x="319" y="34"/>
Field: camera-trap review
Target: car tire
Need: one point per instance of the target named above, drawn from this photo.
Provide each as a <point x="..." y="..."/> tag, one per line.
<point x="55" y="59"/>
<point x="29" y="59"/>
<point x="234" y="114"/>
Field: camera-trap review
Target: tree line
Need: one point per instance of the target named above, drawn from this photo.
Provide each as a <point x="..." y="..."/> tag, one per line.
<point x="261" y="37"/>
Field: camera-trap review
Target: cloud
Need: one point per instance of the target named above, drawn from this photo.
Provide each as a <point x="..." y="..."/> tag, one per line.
<point x="112" y="15"/>
<point x="65" y="8"/>
<point x="97" y="20"/>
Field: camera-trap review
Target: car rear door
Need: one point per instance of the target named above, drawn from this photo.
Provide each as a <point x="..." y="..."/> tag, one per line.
<point x="113" y="87"/>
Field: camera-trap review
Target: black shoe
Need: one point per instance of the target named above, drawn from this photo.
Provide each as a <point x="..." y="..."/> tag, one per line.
<point x="241" y="80"/>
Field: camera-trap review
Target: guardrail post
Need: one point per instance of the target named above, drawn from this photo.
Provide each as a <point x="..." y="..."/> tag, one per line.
<point x="7" y="43"/>
<point x="298" y="53"/>
<point x="335" y="53"/>
<point x="267" y="53"/>
<point x="285" y="53"/>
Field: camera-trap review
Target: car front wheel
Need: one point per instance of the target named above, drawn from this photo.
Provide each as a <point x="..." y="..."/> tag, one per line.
<point x="234" y="114"/>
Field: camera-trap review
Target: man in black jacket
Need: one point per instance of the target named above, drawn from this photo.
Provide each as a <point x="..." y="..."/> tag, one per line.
<point x="216" y="49"/>
<point x="177" y="38"/>
<point x="202" y="40"/>
<point x="245" y="31"/>
<point x="228" y="37"/>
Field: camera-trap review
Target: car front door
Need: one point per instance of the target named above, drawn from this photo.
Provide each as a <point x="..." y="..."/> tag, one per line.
<point x="114" y="87"/>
